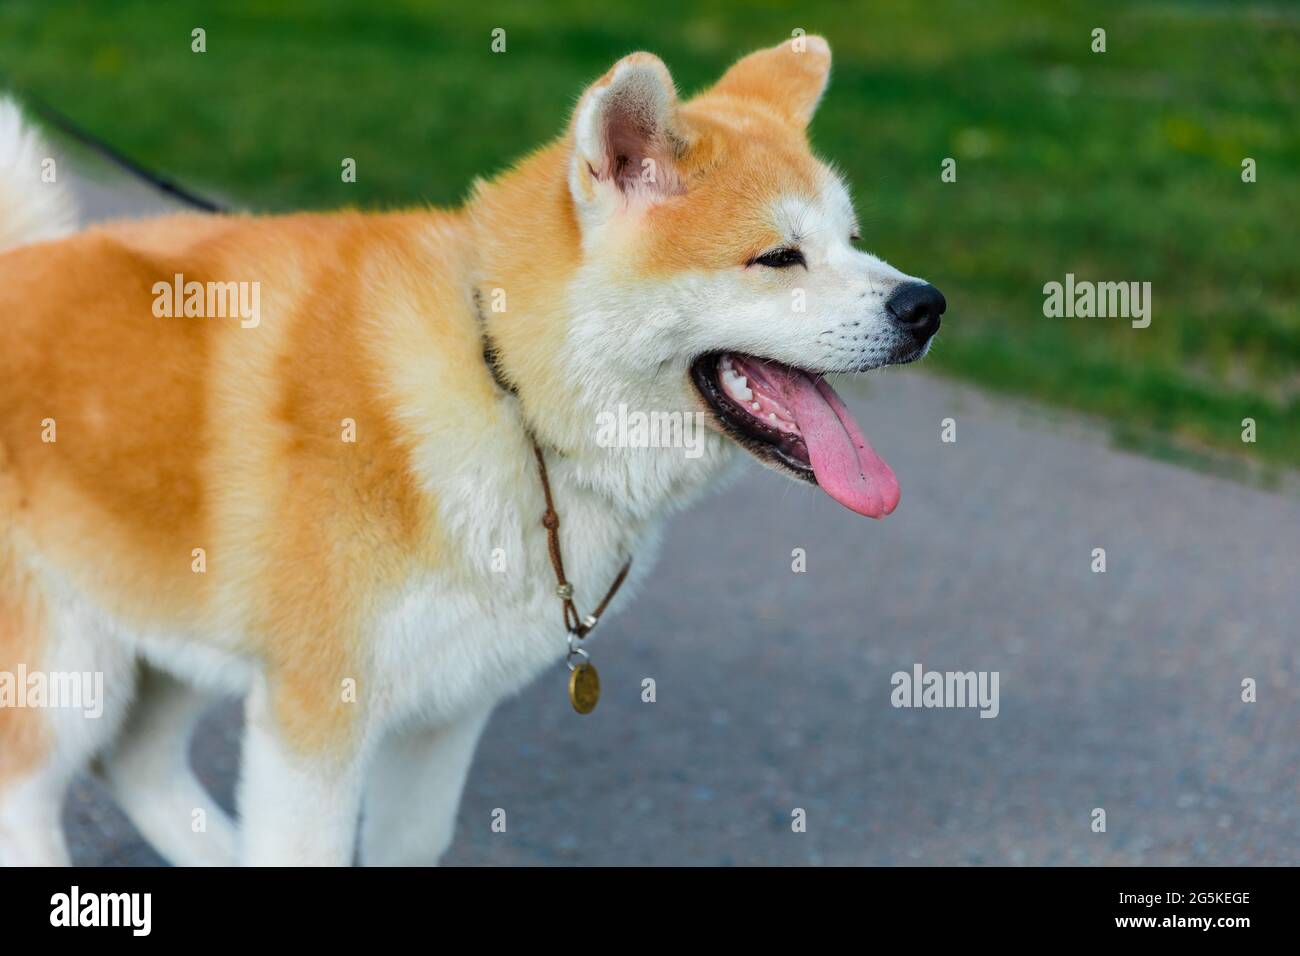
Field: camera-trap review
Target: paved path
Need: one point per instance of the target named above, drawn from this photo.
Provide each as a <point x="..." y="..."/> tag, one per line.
<point x="1119" y="690"/>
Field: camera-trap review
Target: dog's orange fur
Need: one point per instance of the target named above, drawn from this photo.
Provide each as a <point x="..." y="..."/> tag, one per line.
<point x="182" y="433"/>
<point x="23" y="740"/>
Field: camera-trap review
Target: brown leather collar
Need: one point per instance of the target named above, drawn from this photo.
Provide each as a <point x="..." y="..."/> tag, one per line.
<point x="574" y="623"/>
<point x="490" y="355"/>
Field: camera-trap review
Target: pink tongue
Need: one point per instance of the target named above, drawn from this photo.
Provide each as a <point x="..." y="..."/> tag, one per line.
<point x="846" y="466"/>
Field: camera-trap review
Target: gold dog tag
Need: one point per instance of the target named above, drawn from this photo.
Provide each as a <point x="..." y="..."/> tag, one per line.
<point x="584" y="687"/>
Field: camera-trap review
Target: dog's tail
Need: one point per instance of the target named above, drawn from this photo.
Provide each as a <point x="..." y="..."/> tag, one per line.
<point x="35" y="204"/>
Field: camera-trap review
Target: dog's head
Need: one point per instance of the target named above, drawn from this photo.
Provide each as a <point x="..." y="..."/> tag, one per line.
<point x="718" y="268"/>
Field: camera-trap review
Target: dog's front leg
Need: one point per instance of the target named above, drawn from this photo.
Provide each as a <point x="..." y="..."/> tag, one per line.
<point x="413" y="789"/>
<point x="299" y="800"/>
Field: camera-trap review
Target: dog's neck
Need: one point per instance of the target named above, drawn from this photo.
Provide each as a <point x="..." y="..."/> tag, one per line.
<point x="526" y="246"/>
<point x="528" y="249"/>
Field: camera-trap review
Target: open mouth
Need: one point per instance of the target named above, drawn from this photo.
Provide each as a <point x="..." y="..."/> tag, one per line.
<point x="793" y="420"/>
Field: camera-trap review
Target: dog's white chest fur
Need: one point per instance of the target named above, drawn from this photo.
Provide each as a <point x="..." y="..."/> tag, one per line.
<point x="451" y="642"/>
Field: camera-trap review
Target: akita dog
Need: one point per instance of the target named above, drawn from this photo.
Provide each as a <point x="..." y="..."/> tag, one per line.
<point x="337" y="510"/>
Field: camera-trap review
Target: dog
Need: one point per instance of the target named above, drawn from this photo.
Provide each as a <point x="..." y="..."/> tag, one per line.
<point x="333" y="507"/>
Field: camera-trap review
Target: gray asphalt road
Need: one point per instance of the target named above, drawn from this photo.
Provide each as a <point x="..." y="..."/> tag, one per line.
<point x="1119" y="691"/>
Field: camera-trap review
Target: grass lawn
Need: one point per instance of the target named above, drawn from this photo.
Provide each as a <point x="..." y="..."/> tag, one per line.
<point x="1115" y="166"/>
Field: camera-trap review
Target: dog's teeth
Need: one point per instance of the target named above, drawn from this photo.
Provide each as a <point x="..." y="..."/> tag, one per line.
<point x="736" y="385"/>
<point x="757" y="407"/>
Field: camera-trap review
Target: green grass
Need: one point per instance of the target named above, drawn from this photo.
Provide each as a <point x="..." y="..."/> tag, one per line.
<point x="1116" y="166"/>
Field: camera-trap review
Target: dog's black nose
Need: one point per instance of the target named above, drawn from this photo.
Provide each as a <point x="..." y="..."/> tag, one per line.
<point x="917" y="307"/>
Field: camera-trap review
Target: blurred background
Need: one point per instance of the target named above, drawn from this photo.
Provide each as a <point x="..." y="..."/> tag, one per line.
<point x="1123" y="165"/>
<point x="1120" y="690"/>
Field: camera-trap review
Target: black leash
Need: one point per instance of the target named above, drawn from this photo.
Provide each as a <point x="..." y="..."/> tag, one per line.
<point x="164" y="185"/>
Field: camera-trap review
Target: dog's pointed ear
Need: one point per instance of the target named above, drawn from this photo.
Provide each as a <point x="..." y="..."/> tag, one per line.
<point x="790" y="77"/>
<point x="627" y="135"/>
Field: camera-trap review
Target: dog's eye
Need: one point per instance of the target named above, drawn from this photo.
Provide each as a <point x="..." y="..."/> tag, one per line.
<point x="855" y="236"/>
<point x="781" y="259"/>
